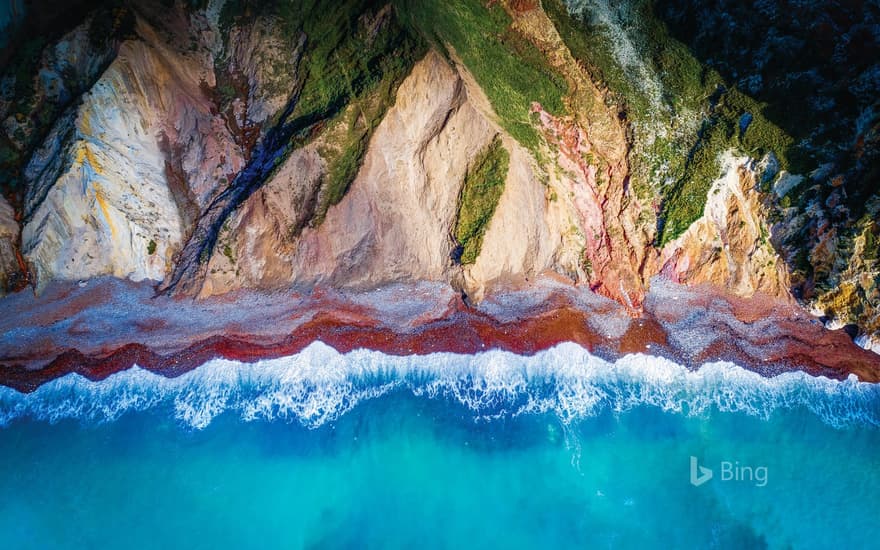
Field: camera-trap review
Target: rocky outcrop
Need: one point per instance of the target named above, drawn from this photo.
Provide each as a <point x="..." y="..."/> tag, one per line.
<point x="11" y="269"/>
<point x="591" y="155"/>
<point x="118" y="183"/>
<point x="64" y="70"/>
<point x="98" y="200"/>
<point x="730" y="244"/>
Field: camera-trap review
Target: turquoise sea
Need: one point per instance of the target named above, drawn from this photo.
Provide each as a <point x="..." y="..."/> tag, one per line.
<point x="556" y="450"/>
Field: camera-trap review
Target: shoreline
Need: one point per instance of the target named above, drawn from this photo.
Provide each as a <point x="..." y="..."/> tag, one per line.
<point x="109" y="325"/>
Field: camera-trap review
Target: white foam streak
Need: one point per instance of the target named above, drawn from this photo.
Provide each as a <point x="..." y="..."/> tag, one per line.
<point x="319" y="384"/>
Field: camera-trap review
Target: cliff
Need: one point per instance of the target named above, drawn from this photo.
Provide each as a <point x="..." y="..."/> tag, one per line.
<point x="218" y="146"/>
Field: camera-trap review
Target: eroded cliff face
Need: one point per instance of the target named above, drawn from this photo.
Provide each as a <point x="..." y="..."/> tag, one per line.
<point x="395" y="223"/>
<point x="120" y="180"/>
<point x="97" y="192"/>
<point x="730" y="244"/>
<point x="591" y="166"/>
<point x="11" y="264"/>
<point x="206" y="153"/>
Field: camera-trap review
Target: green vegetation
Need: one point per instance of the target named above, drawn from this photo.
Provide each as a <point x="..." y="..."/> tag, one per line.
<point x="760" y="136"/>
<point x="110" y="21"/>
<point x="22" y="68"/>
<point x="353" y="74"/>
<point x="355" y="57"/>
<point x="723" y="129"/>
<point x="480" y="193"/>
<point x="509" y="68"/>
<point x="594" y="51"/>
<point x="350" y="134"/>
<point x="591" y="43"/>
<point x="682" y="122"/>
<point x="151" y="247"/>
<point x="585" y="263"/>
<point x="350" y="46"/>
<point x="346" y="56"/>
<point x="870" y="232"/>
<point x="227" y="251"/>
<point x="684" y="201"/>
<point x="10" y="166"/>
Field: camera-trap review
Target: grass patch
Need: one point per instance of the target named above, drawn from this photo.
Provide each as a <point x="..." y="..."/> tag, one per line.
<point x="348" y="138"/>
<point x="350" y="45"/>
<point x="591" y="43"/>
<point x="760" y="136"/>
<point x="227" y="251"/>
<point x="480" y="193"/>
<point x="684" y="202"/>
<point x="589" y="46"/>
<point x="510" y="69"/>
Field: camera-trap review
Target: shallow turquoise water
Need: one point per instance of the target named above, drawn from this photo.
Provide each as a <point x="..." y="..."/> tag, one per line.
<point x="324" y="450"/>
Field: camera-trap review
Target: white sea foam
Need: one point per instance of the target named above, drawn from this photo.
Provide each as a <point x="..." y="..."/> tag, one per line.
<point x="319" y="384"/>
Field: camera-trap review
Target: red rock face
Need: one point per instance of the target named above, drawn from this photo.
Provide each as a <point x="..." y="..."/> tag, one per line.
<point x="690" y="327"/>
<point x="615" y="251"/>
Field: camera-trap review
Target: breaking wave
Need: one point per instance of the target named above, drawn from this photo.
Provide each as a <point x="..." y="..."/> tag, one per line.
<point x="319" y="384"/>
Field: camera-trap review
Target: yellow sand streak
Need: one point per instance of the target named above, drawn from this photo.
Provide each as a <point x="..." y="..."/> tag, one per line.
<point x="106" y="211"/>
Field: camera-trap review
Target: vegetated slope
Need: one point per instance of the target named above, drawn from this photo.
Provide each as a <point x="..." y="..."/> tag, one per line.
<point x="815" y="66"/>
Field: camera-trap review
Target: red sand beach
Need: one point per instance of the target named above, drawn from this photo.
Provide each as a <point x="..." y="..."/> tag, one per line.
<point x="109" y="325"/>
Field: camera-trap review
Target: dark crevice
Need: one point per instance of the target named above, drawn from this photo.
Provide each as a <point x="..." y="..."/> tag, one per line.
<point x="266" y="156"/>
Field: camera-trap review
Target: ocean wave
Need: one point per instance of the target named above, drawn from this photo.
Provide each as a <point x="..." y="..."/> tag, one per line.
<point x="319" y="384"/>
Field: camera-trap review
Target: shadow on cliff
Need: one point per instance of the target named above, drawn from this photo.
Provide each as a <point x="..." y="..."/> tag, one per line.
<point x="814" y="65"/>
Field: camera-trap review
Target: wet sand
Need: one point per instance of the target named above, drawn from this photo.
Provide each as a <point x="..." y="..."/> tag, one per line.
<point x="109" y="325"/>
